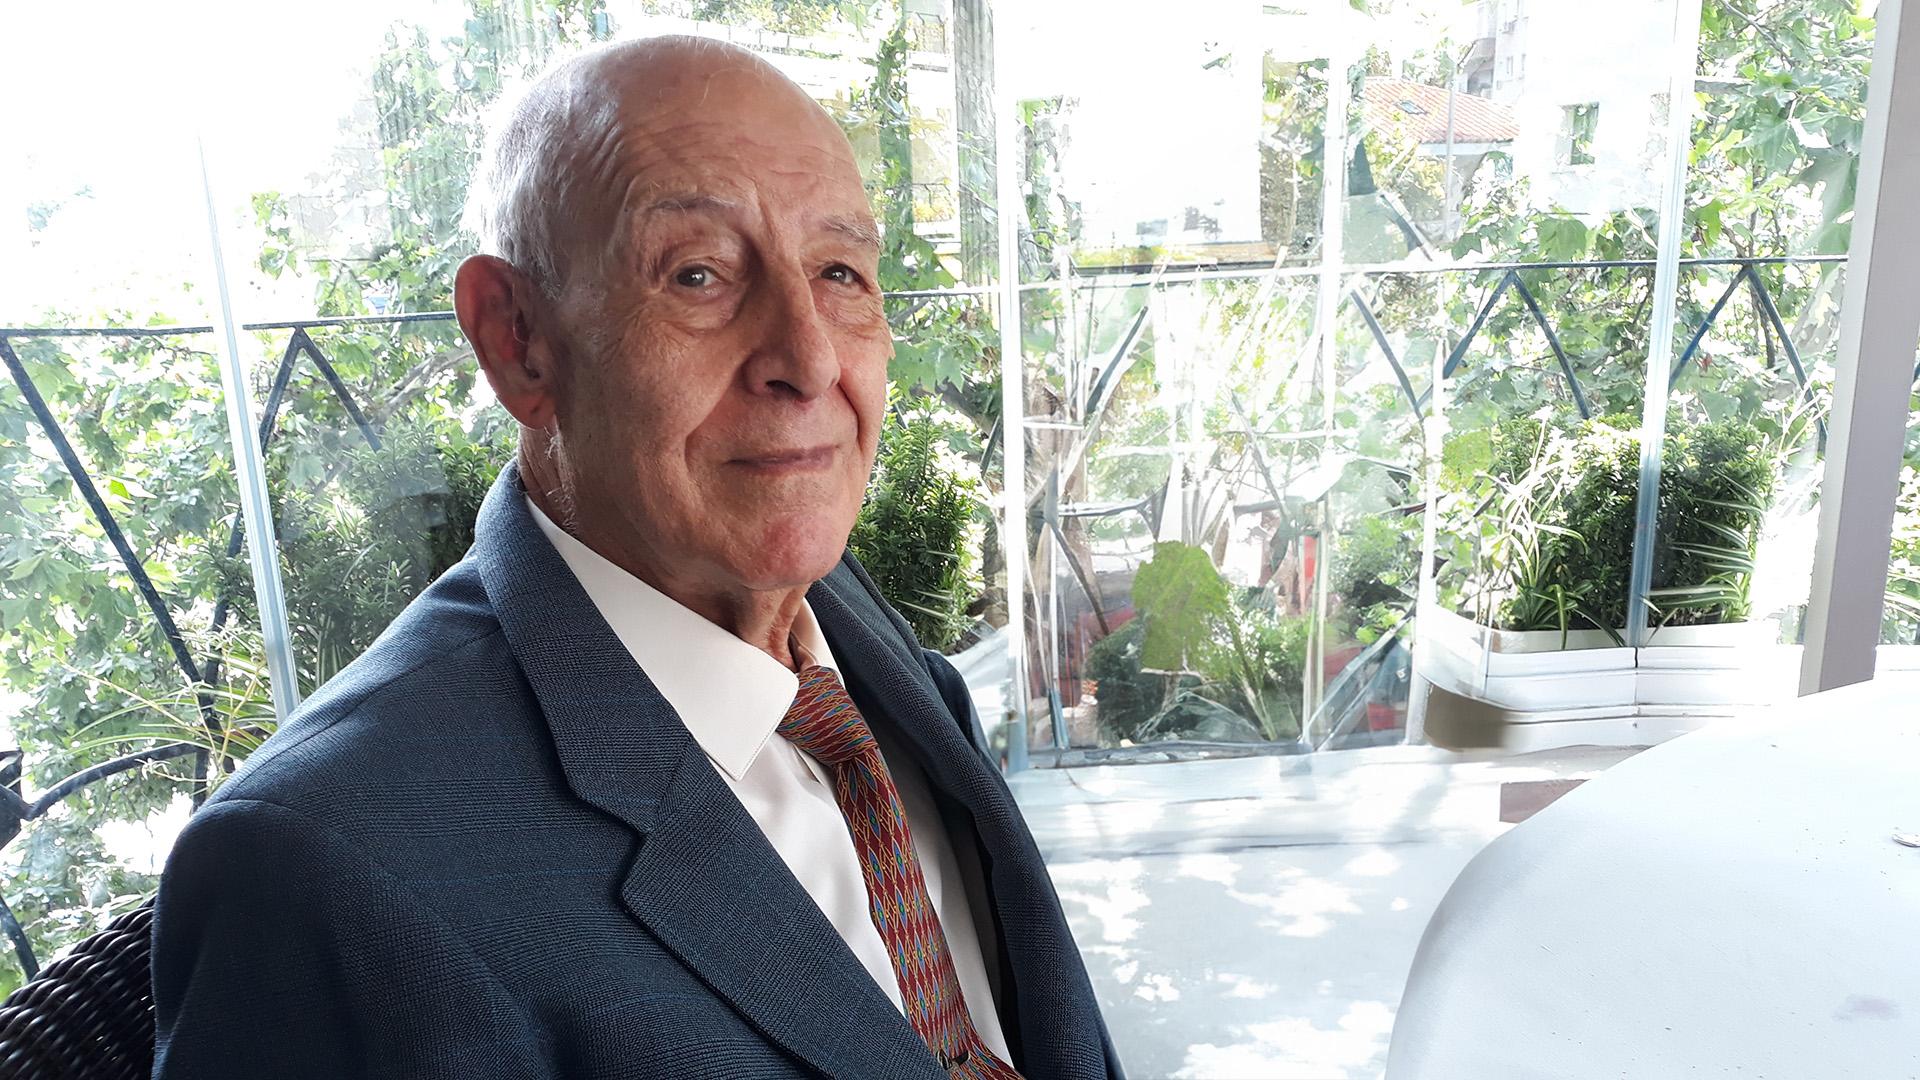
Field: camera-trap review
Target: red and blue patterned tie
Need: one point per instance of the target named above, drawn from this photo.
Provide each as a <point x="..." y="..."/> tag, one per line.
<point x="824" y="722"/>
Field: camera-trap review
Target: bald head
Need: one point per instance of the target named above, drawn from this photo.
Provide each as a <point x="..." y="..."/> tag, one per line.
<point x="560" y="164"/>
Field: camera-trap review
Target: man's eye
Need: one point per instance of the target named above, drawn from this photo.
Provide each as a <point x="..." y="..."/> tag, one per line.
<point x="842" y="273"/>
<point x="694" y="277"/>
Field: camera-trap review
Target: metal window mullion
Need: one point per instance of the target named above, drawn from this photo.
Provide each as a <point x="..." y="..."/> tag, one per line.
<point x="1013" y="451"/>
<point x="250" y="471"/>
<point x="1666" y="291"/>
<point x="1331" y="274"/>
<point x="1873" y="371"/>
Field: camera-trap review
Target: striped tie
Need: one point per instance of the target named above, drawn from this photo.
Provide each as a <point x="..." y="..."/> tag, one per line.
<point x="824" y="722"/>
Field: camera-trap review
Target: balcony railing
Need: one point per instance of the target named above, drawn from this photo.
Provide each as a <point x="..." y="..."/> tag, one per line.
<point x="16" y="810"/>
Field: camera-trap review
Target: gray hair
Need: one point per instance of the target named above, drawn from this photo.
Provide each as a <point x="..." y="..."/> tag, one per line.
<point x="530" y="175"/>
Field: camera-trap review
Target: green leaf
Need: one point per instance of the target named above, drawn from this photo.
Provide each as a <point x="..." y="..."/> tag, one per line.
<point x="1182" y="597"/>
<point x="1563" y="238"/>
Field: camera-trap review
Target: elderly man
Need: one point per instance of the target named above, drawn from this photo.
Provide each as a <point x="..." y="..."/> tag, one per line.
<point x="653" y="783"/>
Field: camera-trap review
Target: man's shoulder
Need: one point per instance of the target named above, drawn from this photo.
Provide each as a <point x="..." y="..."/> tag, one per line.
<point x="439" y="685"/>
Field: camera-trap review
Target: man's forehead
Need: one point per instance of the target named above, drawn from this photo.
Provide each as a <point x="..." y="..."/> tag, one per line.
<point x="655" y="203"/>
<point x="697" y="134"/>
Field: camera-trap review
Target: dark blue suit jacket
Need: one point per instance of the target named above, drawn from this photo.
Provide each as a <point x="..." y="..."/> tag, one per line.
<point x="489" y="848"/>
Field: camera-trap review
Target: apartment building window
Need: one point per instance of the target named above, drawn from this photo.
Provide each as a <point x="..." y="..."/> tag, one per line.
<point x="1577" y="125"/>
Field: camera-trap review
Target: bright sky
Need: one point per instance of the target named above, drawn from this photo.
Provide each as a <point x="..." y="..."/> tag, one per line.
<point x="114" y="102"/>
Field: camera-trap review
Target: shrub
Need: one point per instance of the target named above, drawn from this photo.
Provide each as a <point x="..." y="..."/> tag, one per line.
<point x="355" y="551"/>
<point x="1561" y="553"/>
<point x="1376" y="562"/>
<point x="912" y="533"/>
<point x="1196" y="660"/>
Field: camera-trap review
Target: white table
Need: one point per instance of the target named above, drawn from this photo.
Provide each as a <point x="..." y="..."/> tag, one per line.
<point x="1730" y="903"/>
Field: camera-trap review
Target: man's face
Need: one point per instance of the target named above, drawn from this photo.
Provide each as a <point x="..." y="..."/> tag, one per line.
<point x="725" y="345"/>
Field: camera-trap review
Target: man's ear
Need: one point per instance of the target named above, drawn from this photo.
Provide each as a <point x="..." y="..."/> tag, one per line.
<point x="500" y="312"/>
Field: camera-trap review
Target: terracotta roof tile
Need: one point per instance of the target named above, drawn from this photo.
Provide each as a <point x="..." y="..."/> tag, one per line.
<point x="1422" y="111"/>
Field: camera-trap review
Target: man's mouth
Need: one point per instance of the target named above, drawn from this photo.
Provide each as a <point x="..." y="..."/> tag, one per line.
<point x="799" y="459"/>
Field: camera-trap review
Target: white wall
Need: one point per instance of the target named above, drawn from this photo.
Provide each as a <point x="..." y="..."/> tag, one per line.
<point x="1570" y="54"/>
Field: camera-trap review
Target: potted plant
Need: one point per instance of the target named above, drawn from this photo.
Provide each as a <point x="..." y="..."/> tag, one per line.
<point x="1540" y="633"/>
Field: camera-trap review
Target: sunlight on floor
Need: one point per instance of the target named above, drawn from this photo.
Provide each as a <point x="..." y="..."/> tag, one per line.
<point x="1256" y="917"/>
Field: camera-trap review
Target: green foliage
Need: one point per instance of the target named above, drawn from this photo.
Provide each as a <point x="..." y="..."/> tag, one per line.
<point x="1182" y="599"/>
<point x="1374" y="563"/>
<point x="1292" y="153"/>
<point x="1538" y="554"/>
<point x="1789" y="128"/>
<point x="1260" y="666"/>
<point x="356" y="550"/>
<point x="779" y="16"/>
<point x="145" y="416"/>
<point x="1716" y="483"/>
<point x="1196" y="662"/>
<point x="912" y="533"/>
<point x="88" y="674"/>
<point x="1376" y="574"/>
<point x="1559" y="553"/>
<point x="227" y="720"/>
<point x="1129" y="696"/>
<point x="1902" y="617"/>
<point x="946" y="350"/>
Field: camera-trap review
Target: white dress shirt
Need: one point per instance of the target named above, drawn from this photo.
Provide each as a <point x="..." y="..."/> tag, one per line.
<point x="731" y="696"/>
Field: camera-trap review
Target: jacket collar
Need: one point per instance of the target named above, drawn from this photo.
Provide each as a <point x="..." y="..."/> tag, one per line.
<point x="704" y="881"/>
<point x="731" y="695"/>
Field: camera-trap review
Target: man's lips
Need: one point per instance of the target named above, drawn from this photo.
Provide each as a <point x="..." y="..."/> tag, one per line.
<point x="813" y="457"/>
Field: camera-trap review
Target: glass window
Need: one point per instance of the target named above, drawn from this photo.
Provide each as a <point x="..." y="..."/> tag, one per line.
<point x="1577" y="133"/>
<point x="1339" y="443"/>
<point x="1333" y="325"/>
<point x="1776" y="149"/>
<point x="121" y="596"/>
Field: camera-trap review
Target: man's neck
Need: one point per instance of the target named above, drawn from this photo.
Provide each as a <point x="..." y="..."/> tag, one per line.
<point x="763" y="619"/>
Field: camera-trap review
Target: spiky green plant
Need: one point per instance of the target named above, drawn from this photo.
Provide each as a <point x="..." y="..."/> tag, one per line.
<point x="912" y="533"/>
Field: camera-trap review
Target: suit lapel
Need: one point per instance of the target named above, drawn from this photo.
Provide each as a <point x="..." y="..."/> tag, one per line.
<point x="1059" y="1021"/>
<point x="711" y="888"/>
<point x="704" y="881"/>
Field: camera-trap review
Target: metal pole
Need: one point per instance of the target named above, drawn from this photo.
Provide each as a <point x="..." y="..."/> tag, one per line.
<point x="250" y="470"/>
<point x="1446" y="177"/>
<point x="1666" y="289"/>
<point x="1013" y="453"/>
<point x="1433" y="433"/>
<point x="1333" y="204"/>
<point x="1873" y="371"/>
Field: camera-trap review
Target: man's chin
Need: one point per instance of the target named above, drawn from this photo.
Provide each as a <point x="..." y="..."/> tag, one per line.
<point x="789" y="558"/>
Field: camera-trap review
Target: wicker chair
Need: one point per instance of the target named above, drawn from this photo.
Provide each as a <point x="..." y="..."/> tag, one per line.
<point x="88" y="1015"/>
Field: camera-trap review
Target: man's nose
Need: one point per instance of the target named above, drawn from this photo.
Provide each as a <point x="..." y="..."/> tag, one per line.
<point x="795" y="354"/>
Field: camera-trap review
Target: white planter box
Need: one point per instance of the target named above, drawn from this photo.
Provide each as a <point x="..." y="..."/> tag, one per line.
<point x="1593" y="691"/>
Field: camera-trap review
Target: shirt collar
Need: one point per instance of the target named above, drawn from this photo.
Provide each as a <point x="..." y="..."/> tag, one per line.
<point x="729" y="694"/>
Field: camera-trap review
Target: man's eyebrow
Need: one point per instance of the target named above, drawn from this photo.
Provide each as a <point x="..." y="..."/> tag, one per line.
<point x="688" y="203"/>
<point x="862" y="232"/>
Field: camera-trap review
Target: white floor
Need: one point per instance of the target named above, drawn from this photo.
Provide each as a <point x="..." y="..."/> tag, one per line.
<point x="1256" y="917"/>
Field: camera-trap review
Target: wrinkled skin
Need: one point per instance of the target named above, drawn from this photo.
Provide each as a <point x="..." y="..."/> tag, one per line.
<point x="701" y="401"/>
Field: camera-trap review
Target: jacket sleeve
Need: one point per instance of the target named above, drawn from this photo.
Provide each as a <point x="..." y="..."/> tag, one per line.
<point x="281" y="951"/>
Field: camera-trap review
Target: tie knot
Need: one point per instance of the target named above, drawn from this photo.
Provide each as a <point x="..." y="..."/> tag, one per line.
<point x="823" y="721"/>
